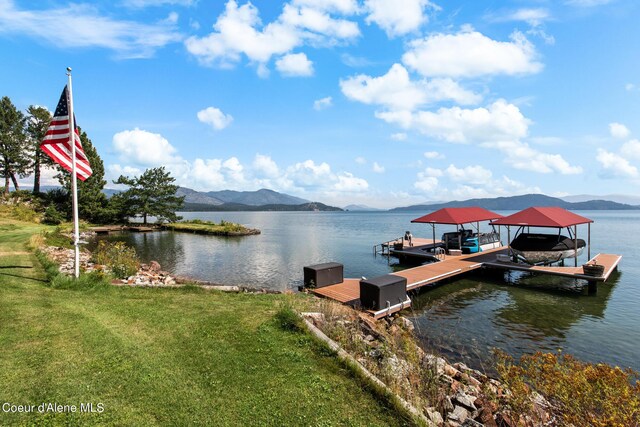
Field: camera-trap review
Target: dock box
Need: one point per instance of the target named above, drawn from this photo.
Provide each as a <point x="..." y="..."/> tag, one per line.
<point x="320" y="275"/>
<point x="375" y="292"/>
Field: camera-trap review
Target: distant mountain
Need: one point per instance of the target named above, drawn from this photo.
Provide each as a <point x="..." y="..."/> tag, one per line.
<point x="519" y="203"/>
<point x="193" y="196"/>
<point x="360" y="208"/>
<point x="256" y="198"/>
<point x="228" y="207"/>
<point x="618" y="198"/>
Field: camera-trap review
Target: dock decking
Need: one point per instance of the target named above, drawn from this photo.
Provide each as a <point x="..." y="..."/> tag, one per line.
<point x="348" y="291"/>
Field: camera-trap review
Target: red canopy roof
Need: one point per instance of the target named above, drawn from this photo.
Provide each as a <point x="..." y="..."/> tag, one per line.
<point x="458" y="216"/>
<point x="543" y="217"/>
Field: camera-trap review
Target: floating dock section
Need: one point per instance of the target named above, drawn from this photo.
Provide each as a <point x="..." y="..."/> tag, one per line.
<point x="450" y="266"/>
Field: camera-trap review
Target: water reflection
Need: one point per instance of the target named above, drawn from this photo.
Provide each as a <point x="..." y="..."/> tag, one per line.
<point x="467" y="319"/>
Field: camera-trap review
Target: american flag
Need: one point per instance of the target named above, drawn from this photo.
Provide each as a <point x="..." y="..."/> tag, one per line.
<point x="56" y="141"/>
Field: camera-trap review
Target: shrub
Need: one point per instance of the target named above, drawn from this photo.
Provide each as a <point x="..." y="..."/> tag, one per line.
<point x="121" y="259"/>
<point x="52" y="216"/>
<point x="586" y="394"/>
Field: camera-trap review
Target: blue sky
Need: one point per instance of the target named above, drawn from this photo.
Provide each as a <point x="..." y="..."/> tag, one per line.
<point x="379" y="102"/>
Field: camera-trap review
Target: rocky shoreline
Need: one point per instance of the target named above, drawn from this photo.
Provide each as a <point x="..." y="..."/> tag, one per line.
<point x="457" y="395"/>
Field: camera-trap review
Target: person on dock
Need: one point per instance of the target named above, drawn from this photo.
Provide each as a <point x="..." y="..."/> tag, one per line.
<point x="408" y="237"/>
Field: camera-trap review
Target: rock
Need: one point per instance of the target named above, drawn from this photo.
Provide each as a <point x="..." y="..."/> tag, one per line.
<point x="469" y="422"/>
<point x="466" y="401"/>
<point x="316" y="318"/>
<point x="485" y="418"/>
<point x="405" y="323"/>
<point x="451" y="371"/>
<point x="504" y="420"/>
<point x="459" y="414"/>
<point x="447" y="404"/>
<point x="369" y="338"/>
<point x="154" y="266"/>
<point x="435" y="416"/>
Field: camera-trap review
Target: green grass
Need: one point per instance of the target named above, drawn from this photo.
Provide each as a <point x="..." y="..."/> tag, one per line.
<point x="162" y="356"/>
<point x="223" y="228"/>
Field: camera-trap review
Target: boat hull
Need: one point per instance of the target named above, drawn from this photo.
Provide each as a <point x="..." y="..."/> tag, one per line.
<point x="546" y="248"/>
<point x="536" y="257"/>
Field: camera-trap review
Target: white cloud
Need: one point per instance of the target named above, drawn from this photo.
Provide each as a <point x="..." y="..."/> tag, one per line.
<point x="521" y="156"/>
<point x="146" y="3"/>
<point x="433" y="172"/>
<point x="396" y="91"/>
<point x="426" y="183"/>
<point x="214" y="117"/>
<point x="398" y="18"/>
<point x="239" y="31"/>
<point x="80" y="25"/>
<point x="433" y="155"/>
<point x="377" y="168"/>
<point x="295" y="65"/>
<point x="322" y="103"/>
<point x="631" y="149"/>
<point x="144" y="148"/>
<point x="265" y="167"/>
<point x="345" y="7"/>
<point x="618" y="130"/>
<point x="499" y="121"/>
<point x="615" y="166"/>
<point x="400" y="136"/>
<point x="471" y="54"/>
<point x="350" y="184"/>
<point x="361" y="160"/>
<point x="587" y="3"/>
<point x="309" y="175"/>
<point x="469" y="174"/>
<point x="532" y="16"/>
<point x="630" y="87"/>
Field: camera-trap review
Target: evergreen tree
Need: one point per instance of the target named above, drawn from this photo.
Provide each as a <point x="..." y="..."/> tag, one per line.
<point x="92" y="202"/>
<point x="37" y="123"/>
<point x="13" y="151"/>
<point x="152" y="194"/>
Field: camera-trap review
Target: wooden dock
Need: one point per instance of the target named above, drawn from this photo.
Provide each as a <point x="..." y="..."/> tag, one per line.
<point x="348" y="291"/>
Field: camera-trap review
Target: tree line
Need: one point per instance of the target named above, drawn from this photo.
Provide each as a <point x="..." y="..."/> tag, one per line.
<point x="153" y="193"/>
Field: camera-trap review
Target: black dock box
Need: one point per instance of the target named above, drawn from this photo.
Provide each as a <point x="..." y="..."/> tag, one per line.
<point x="374" y="293"/>
<point x="320" y="275"/>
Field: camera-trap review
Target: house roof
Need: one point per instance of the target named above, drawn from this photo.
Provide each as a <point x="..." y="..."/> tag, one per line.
<point x="458" y="216"/>
<point x="543" y="217"/>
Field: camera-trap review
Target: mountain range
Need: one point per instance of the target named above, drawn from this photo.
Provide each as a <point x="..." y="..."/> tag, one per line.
<point x="521" y="202"/>
<point x="250" y="198"/>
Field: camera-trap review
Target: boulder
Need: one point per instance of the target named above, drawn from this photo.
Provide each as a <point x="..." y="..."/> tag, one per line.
<point x="459" y="414"/>
<point x="154" y="266"/>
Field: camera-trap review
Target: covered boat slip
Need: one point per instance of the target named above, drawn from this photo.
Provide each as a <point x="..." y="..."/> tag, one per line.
<point x="541" y="248"/>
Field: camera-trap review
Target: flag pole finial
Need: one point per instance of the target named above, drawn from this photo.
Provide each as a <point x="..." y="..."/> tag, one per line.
<point x="68" y="71"/>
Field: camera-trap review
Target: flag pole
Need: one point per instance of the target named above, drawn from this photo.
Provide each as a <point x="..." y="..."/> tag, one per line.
<point x="74" y="179"/>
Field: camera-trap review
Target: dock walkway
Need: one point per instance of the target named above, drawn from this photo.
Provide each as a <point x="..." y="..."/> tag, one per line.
<point x="348" y="291"/>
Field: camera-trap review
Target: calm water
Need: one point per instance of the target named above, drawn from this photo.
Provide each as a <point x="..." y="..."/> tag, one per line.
<point x="463" y="319"/>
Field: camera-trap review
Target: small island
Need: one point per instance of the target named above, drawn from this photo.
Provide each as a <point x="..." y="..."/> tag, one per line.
<point x="223" y="228"/>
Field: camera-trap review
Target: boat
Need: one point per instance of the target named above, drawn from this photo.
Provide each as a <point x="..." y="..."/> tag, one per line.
<point x="536" y="248"/>
<point x="481" y="242"/>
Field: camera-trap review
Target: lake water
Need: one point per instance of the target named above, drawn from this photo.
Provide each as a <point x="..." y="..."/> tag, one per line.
<point x="463" y="319"/>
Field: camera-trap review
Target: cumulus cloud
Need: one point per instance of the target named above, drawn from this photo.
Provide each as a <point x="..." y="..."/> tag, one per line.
<point x="265" y="167"/>
<point x="615" y="166"/>
<point x="631" y="149"/>
<point x="395" y="90"/>
<point x="215" y="117"/>
<point x="398" y="19"/>
<point x="144" y="148"/>
<point x="458" y="183"/>
<point x="347" y="183"/>
<point x="295" y="65"/>
<point x="322" y="103"/>
<point x="82" y="26"/>
<point x="239" y="32"/>
<point x="377" y="168"/>
<point x="345" y="7"/>
<point x="521" y="156"/>
<point x="532" y="16"/>
<point x="471" y="54"/>
<point x="618" y="130"/>
<point x="498" y="121"/>
<point x="433" y="155"/>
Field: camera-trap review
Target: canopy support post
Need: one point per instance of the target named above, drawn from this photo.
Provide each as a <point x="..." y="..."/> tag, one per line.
<point x="575" y="244"/>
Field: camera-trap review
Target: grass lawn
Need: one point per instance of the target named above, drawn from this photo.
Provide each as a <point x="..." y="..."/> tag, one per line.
<point x="162" y="356"/>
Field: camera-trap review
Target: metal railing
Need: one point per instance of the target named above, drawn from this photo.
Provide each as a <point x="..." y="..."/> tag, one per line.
<point x="383" y="248"/>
